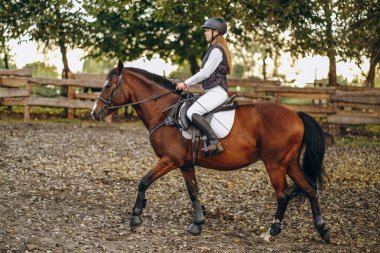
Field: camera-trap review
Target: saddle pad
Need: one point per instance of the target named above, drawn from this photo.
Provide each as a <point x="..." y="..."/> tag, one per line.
<point x="221" y="124"/>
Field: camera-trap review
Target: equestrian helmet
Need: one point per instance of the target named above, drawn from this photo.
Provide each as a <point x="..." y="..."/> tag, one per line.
<point x="217" y="24"/>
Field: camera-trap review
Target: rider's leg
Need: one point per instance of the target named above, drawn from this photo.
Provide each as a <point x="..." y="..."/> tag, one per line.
<point x="203" y="125"/>
<point x="206" y="103"/>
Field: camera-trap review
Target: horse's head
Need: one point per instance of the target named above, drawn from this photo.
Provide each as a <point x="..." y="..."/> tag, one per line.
<point x="112" y="95"/>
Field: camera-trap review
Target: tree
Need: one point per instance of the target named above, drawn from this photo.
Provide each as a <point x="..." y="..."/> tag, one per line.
<point x="97" y="66"/>
<point x="14" y="21"/>
<point x="185" y="19"/>
<point x="361" y="22"/>
<point x="9" y="66"/>
<point x="301" y="27"/>
<point x="124" y="30"/>
<point x="171" y="29"/>
<point x="182" y="72"/>
<point x="59" y="24"/>
<point x="41" y="69"/>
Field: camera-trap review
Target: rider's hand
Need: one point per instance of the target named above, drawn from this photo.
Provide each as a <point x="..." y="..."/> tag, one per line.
<point x="181" y="86"/>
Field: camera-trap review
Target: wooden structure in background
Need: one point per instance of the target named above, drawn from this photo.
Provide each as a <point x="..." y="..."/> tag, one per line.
<point x="91" y="91"/>
<point x="333" y="105"/>
<point x="13" y="87"/>
<point x="71" y="101"/>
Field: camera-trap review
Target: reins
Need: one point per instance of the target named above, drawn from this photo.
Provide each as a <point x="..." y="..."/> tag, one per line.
<point x="108" y="103"/>
<point x="112" y="107"/>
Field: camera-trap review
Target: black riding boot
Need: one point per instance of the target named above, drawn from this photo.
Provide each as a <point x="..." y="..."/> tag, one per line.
<point x="214" y="146"/>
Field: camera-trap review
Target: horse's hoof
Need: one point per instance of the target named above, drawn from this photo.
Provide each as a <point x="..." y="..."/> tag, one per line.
<point x="275" y="229"/>
<point x="134" y="222"/>
<point x="326" y="236"/>
<point x="194" y="229"/>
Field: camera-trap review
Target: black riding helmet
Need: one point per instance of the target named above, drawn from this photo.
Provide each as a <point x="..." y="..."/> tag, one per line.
<point x="217" y="24"/>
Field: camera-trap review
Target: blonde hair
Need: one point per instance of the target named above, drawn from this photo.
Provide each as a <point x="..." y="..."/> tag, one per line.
<point x="221" y="41"/>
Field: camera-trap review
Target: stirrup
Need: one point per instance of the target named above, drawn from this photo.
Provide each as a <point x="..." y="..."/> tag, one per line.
<point x="213" y="149"/>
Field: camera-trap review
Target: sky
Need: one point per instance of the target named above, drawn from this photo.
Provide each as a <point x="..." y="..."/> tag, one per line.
<point x="28" y="52"/>
<point x="303" y="71"/>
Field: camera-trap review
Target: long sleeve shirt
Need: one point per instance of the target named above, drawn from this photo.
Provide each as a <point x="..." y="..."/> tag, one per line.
<point x="215" y="58"/>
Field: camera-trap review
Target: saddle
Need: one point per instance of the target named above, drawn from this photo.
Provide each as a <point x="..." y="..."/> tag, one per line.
<point x="229" y="104"/>
<point x="178" y="118"/>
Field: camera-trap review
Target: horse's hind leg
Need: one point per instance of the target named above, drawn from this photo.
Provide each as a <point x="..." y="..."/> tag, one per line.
<point x="296" y="174"/>
<point x="188" y="174"/>
<point x="277" y="178"/>
<point x="282" y="204"/>
<point x="163" y="166"/>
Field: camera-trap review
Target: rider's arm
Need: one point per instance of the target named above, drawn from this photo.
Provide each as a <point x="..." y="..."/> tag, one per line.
<point x="213" y="61"/>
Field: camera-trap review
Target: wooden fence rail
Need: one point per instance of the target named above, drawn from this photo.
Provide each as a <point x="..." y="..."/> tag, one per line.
<point x="335" y="105"/>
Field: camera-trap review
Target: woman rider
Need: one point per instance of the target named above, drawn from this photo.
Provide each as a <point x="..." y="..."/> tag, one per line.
<point x="216" y="64"/>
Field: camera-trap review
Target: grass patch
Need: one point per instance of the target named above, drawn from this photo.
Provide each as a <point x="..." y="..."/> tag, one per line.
<point x="358" y="141"/>
<point x="46" y="91"/>
<point x="373" y="128"/>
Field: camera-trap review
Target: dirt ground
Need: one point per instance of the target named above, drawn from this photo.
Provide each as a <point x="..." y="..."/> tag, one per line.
<point x="71" y="188"/>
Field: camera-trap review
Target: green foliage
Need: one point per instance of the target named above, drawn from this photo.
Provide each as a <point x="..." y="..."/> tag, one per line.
<point x="361" y="25"/>
<point x="124" y="29"/>
<point x="341" y="80"/>
<point x="181" y="73"/>
<point x="238" y="71"/>
<point x="377" y="79"/>
<point x="14" y="21"/>
<point x="59" y="24"/>
<point x="41" y="69"/>
<point x="97" y="66"/>
<point x="171" y="29"/>
<point x="10" y="65"/>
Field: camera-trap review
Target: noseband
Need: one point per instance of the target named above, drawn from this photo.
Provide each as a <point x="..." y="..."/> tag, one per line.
<point x="108" y="102"/>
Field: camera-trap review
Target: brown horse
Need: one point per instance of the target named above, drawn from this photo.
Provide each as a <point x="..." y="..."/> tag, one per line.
<point x="266" y="131"/>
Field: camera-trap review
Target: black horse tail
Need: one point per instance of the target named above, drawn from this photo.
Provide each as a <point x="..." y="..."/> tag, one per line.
<point x="314" y="142"/>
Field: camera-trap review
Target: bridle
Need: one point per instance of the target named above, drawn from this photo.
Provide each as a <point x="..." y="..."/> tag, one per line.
<point x="108" y="102"/>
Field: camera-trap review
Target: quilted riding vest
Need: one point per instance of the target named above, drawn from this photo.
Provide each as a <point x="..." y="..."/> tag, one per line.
<point x="219" y="76"/>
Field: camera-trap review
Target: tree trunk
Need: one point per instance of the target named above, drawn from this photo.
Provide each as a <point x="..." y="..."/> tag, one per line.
<point x="65" y="71"/>
<point x="276" y="65"/>
<point x="194" y="68"/>
<point x="370" y="82"/>
<point x="332" y="67"/>
<point x="375" y="59"/>
<point x="6" y="60"/>
<point x="331" y="52"/>
<point x="264" y="65"/>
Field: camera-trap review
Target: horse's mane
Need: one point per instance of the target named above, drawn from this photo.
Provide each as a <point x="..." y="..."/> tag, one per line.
<point x="167" y="84"/>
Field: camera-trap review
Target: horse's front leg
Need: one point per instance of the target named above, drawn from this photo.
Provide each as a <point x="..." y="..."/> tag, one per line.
<point x="188" y="174"/>
<point x="163" y="166"/>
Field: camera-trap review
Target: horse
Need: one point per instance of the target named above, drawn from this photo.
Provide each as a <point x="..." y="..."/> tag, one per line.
<point x="266" y="131"/>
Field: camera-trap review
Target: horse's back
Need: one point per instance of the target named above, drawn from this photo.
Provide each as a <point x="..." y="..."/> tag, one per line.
<point x="264" y="131"/>
<point x="272" y="125"/>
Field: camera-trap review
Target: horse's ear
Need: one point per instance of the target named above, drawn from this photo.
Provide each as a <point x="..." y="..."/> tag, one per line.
<point x="120" y="67"/>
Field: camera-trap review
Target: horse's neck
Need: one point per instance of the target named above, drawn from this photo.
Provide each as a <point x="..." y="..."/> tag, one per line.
<point x="151" y="112"/>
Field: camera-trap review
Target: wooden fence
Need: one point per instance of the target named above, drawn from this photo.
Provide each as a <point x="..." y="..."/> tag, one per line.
<point x="336" y="105"/>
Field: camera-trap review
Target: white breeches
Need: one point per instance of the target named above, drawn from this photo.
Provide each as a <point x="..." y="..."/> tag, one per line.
<point x="210" y="100"/>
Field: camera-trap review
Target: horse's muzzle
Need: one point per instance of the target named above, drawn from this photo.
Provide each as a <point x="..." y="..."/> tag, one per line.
<point x="98" y="116"/>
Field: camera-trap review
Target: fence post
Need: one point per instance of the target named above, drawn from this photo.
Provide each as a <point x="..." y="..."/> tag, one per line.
<point x="27" y="106"/>
<point x="70" y="97"/>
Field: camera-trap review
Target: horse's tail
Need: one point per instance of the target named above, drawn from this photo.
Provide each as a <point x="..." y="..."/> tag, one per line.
<point x="314" y="142"/>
